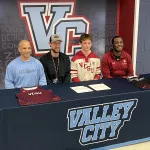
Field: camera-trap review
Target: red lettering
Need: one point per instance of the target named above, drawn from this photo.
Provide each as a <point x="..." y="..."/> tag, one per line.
<point x="81" y="64"/>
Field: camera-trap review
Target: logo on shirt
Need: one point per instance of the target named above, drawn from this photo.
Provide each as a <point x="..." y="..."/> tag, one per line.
<point x="35" y="93"/>
<point x="27" y="71"/>
<point x="89" y="66"/>
<point x="124" y="62"/>
<point x="46" y="18"/>
<point x="101" y="122"/>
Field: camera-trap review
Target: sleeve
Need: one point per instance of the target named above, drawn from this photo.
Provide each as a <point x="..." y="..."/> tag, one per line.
<point x="9" y="78"/>
<point x="130" y="67"/>
<point x="43" y="63"/>
<point x="74" y="72"/>
<point x="105" y="68"/>
<point x="67" y="74"/>
<point x="98" y="70"/>
<point x="42" y="79"/>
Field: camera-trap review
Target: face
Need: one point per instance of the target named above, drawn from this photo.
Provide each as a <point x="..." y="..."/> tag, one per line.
<point x="55" y="46"/>
<point x="25" y="50"/>
<point x="118" y="44"/>
<point x="86" y="45"/>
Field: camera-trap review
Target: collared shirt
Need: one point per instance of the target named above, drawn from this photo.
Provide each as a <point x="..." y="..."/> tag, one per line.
<point x="85" y="68"/>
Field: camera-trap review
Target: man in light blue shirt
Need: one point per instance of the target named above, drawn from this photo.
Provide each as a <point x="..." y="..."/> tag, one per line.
<point x="25" y="70"/>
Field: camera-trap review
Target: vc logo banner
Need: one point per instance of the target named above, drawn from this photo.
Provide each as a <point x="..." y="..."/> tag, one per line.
<point x="101" y="122"/>
<point x="44" y="19"/>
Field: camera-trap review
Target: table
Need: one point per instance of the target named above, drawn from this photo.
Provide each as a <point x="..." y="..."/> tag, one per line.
<point x="55" y="126"/>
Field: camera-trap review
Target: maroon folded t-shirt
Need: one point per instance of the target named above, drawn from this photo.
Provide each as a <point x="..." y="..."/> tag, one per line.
<point x="36" y="95"/>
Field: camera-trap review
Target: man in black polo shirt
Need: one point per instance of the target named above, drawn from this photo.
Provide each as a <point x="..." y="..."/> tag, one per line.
<point x="56" y="64"/>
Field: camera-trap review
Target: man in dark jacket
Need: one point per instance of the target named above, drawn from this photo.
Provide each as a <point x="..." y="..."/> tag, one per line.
<point x="56" y="64"/>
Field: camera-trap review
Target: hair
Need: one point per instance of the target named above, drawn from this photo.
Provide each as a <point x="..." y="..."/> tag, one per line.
<point x="84" y="37"/>
<point x="115" y="38"/>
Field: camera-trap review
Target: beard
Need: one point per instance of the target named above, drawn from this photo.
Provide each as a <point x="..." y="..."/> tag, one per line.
<point x="55" y="51"/>
<point x="117" y="50"/>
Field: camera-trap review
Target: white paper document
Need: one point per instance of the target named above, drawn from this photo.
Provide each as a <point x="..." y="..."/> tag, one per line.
<point x="81" y="89"/>
<point x="99" y="87"/>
